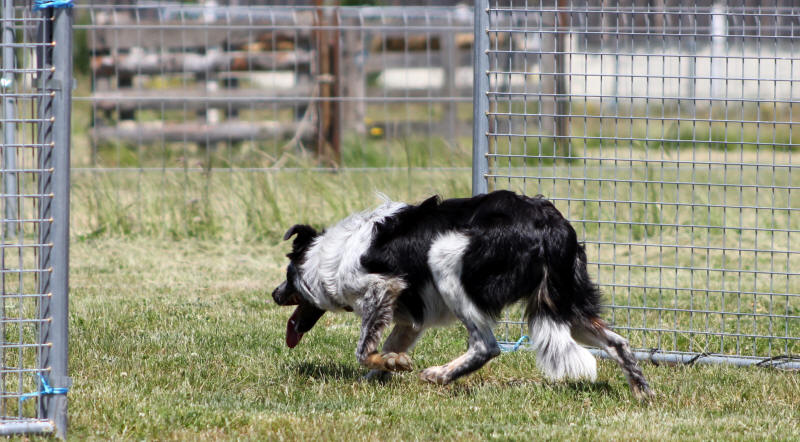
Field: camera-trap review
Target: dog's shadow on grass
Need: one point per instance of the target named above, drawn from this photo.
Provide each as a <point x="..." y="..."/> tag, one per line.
<point x="337" y="371"/>
<point x="598" y="387"/>
<point x="328" y="371"/>
<point x="585" y="386"/>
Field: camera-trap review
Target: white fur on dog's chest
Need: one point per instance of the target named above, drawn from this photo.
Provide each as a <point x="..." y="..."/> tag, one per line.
<point x="333" y="269"/>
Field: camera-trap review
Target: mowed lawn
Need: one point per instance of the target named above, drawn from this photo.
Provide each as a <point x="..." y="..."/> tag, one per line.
<point x="180" y="340"/>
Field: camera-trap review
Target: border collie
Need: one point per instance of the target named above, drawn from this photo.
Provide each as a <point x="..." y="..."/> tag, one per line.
<point x="425" y="265"/>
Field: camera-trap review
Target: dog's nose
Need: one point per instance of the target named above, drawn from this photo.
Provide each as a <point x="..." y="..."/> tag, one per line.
<point x="285" y="294"/>
<point x="279" y="294"/>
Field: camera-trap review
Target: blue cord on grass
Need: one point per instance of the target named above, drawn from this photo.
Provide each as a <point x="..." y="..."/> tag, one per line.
<point x="44" y="4"/>
<point x="46" y="390"/>
<point x="515" y="346"/>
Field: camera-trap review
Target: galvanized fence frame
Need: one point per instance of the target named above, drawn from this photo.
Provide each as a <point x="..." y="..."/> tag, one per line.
<point x="36" y="91"/>
<point x="667" y="134"/>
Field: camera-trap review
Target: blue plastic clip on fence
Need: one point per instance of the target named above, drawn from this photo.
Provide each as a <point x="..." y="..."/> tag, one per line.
<point x="44" y="4"/>
<point x="46" y="390"/>
<point x="515" y="346"/>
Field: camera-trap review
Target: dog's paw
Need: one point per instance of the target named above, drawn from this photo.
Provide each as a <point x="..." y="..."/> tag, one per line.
<point x="436" y="375"/>
<point x="642" y="393"/>
<point x="388" y="362"/>
<point x="398" y="362"/>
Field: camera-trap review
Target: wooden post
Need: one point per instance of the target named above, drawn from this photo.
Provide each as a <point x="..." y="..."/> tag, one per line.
<point x="328" y="110"/>
<point x="125" y="81"/>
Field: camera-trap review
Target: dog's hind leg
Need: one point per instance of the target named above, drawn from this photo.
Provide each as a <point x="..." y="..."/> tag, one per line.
<point x="482" y="348"/>
<point x="444" y="260"/>
<point x="399" y="341"/>
<point x="376" y="312"/>
<point x="594" y="332"/>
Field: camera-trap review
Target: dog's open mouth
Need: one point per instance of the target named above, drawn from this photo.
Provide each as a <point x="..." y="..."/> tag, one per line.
<point x="301" y="321"/>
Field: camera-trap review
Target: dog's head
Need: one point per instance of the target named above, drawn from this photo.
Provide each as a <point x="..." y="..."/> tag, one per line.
<point x="306" y="314"/>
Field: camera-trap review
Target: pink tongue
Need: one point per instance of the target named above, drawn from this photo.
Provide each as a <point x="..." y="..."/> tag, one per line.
<point x="292" y="335"/>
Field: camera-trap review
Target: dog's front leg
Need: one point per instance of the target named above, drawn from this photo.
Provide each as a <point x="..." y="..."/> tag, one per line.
<point x="376" y="313"/>
<point x="399" y="341"/>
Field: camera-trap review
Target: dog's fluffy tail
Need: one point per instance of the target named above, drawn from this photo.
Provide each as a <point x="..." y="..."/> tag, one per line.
<point x="557" y="354"/>
<point x="564" y="296"/>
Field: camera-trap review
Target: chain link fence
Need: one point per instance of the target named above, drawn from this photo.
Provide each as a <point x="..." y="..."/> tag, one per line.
<point x="666" y="132"/>
<point x="35" y="87"/>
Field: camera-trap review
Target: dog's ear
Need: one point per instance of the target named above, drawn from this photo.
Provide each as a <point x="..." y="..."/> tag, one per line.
<point x="304" y="232"/>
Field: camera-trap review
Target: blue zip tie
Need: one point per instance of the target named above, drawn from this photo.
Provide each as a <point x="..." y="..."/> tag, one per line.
<point x="46" y="390"/>
<point x="38" y="5"/>
<point x="516" y="346"/>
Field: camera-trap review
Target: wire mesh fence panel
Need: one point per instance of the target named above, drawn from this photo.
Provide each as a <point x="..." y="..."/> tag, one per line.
<point x="36" y="64"/>
<point x="666" y="133"/>
<point x="203" y="86"/>
<point x="200" y="118"/>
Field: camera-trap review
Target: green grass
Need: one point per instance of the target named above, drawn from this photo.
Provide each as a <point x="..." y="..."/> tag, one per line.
<point x="180" y="340"/>
<point x="240" y="206"/>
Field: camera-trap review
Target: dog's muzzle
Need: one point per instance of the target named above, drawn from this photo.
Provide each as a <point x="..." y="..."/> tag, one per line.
<point x="282" y="295"/>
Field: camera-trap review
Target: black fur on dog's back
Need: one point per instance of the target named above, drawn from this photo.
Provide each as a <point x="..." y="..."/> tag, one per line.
<point x="519" y="247"/>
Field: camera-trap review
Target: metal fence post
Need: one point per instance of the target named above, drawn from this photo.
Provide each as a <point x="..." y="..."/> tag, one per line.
<point x="58" y="82"/>
<point x="9" y="111"/>
<point x="480" y="100"/>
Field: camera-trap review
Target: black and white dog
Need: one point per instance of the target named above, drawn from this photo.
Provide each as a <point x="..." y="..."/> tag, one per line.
<point x="425" y="265"/>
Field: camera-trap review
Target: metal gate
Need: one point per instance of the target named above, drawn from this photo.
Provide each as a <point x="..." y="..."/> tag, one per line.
<point x="666" y="132"/>
<point x="35" y="87"/>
